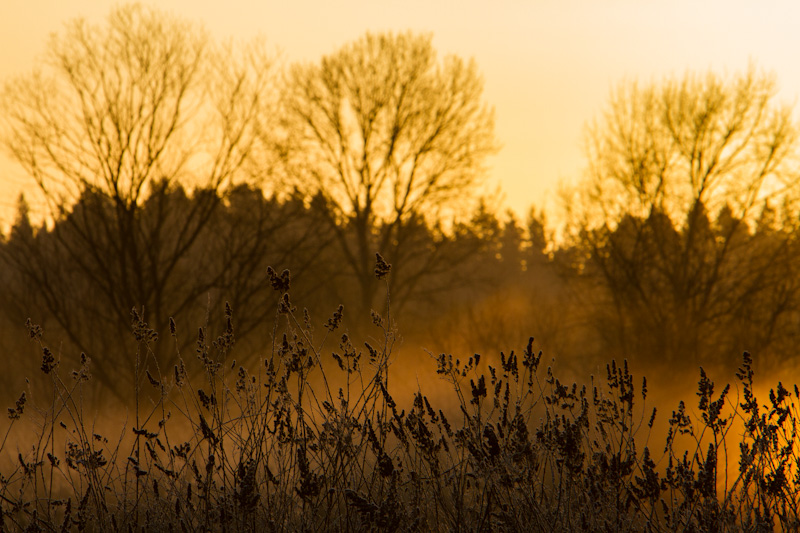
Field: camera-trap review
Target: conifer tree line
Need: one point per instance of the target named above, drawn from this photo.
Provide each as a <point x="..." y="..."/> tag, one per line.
<point x="174" y="169"/>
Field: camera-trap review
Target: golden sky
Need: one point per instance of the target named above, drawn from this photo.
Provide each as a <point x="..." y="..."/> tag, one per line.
<point x="548" y="65"/>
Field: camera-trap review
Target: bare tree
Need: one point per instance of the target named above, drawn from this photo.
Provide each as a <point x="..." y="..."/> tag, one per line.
<point x="122" y="115"/>
<point x="389" y="136"/>
<point x="663" y="161"/>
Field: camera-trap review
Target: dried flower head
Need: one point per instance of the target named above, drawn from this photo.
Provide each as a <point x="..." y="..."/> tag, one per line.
<point x="180" y="374"/>
<point x="83" y="373"/>
<point x="15" y="412"/>
<point x="34" y="330"/>
<point x="140" y="329"/>
<point x="153" y="381"/>
<point x="336" y="319"/>
<point x="48" y="360"/>
<point x="377" y="319"/>
<point x="285" y="305"/>
<point x="382" y="268"/>
<point x="279" y="283"/>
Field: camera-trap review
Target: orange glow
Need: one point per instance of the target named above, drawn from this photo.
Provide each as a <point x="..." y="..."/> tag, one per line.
<point x="548" y="65"/>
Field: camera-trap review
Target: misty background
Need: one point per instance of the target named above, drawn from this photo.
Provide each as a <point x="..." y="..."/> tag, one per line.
<point x="548" y="66"/>
<point x="167" y="170"/>
<point x="255" y="260"/>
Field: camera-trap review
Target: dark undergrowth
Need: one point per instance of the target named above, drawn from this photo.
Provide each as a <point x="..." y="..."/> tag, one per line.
<point x="313" y="438"/>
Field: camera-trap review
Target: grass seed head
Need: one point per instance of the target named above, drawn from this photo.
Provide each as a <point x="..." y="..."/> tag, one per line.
<point x="382" y="268"/>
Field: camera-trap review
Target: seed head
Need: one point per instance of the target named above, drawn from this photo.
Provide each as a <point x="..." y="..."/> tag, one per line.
<point x="286" y="306"/>
<point x="279" y="283"/>
<point x="15" y="412"/>
<point x="34" y="330"/>
<point x="382" y="268"/>
<point x="48" y="360"/>
<point x="336" y="319"/>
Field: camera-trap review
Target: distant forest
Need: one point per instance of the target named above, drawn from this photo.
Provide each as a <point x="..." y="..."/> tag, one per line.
<point x="653" y="292"/>
<point x="175" y="170"/>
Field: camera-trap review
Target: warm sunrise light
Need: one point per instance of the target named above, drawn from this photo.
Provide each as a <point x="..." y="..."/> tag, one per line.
<point x="548" y="66"/>
<point x="399" y="266"/>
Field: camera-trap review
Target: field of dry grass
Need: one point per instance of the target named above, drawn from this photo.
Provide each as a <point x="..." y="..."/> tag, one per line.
<point x="316" y="437"/>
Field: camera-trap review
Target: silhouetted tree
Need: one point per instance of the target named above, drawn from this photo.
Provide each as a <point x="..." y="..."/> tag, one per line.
<point x="390" y="137"/>
<point x="115" y="118"/>
<point x="663" y="157"/>
<point x="225" y="262"/>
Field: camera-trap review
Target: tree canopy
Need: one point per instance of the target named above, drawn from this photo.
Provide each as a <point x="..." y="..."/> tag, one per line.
<point x="664" y="161"/>
<point x="389" y="136"/>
